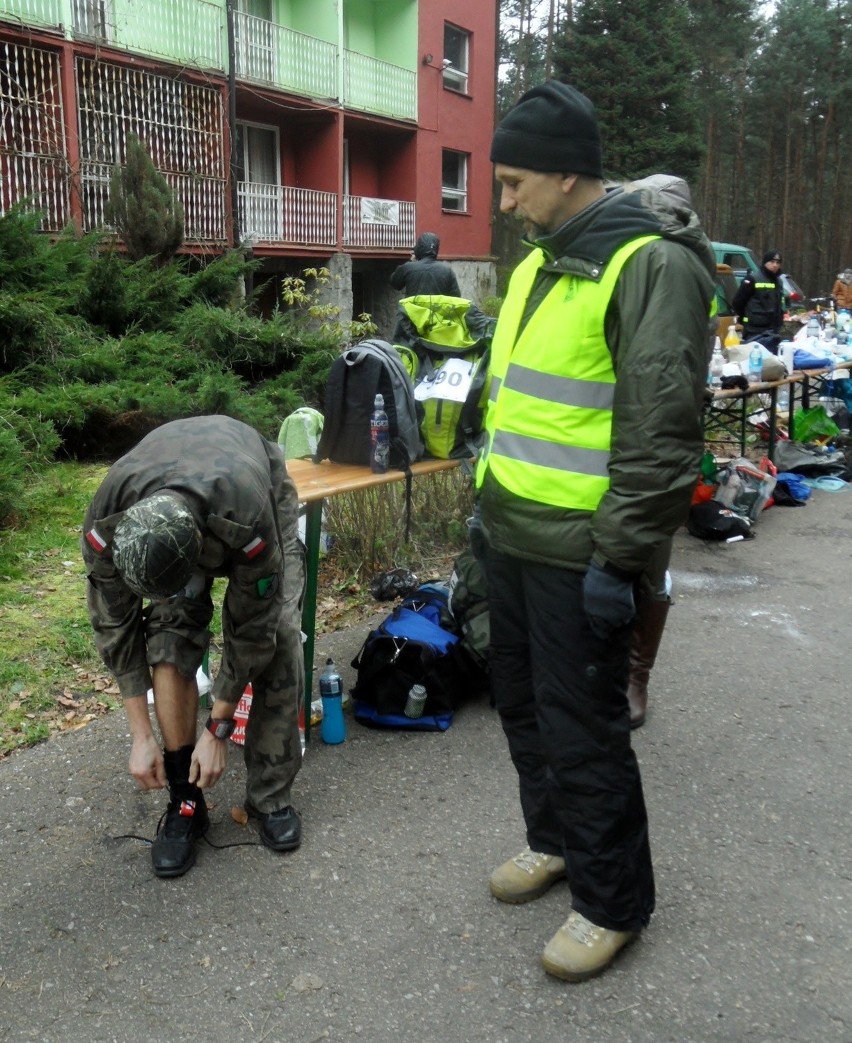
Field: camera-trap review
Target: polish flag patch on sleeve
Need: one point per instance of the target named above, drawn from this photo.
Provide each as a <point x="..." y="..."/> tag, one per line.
<point x="95" y="540"/>
<point x="254" y="547"/>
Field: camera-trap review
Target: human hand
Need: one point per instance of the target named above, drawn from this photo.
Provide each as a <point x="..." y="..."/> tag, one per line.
<point x="608" y="601"/>
<point x="209" y="759"/>
<point x="146" y="763"/>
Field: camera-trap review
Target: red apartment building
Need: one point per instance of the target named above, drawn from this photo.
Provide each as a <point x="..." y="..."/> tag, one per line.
<point x="314" y="132"/>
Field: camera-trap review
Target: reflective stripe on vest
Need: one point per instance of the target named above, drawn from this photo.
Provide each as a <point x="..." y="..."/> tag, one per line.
<point x="549" y="417"/>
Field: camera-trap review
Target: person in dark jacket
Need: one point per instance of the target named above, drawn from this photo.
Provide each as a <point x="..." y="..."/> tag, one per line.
<point x="424" y="273"/>
<point x="197" y="499"/>
<point x="759" y="301"/>
<point x="594" y="441"/>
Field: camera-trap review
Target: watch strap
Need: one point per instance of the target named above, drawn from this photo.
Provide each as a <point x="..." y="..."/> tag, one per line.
<point x="222" y="728"/>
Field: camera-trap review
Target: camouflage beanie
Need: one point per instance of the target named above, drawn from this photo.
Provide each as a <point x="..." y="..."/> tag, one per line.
<point x="156" y="546"/>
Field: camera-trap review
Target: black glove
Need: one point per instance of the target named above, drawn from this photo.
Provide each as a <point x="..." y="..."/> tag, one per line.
<point x="475" y="535"/>
<point x="608" y="601"/>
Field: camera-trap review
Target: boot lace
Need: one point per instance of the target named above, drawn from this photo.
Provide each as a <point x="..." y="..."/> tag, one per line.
<point x="529" y="861"/>
<point x="582" y="930"/>
<point x="180" y="819"/>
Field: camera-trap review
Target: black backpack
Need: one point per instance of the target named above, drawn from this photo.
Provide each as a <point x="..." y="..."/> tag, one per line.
<point x="356" y="377"/>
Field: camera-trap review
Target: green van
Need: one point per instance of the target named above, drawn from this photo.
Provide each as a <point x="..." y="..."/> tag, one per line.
<point x="740" y="258"/>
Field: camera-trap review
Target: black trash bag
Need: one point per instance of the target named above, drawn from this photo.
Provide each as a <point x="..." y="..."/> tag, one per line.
<point x="711" y="520"/>
<point x="398" y="583"/>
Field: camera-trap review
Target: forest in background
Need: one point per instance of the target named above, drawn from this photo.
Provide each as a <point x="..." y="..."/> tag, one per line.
<point x="748" y="101"/>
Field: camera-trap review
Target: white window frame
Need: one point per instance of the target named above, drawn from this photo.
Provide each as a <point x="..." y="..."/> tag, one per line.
<point x="455" y="194"/>
<point x="270" y="128"/>
<point x="455" y="74"/>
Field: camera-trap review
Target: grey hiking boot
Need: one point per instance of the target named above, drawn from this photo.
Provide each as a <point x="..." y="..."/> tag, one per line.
<point x="580" y="949"/>
<point x="526" y="876"/>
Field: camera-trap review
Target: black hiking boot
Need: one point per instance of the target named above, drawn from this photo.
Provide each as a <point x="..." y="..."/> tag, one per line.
<point x="185" y="819"/>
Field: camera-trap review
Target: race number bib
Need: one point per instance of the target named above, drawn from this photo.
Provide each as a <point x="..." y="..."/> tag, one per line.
<point x="451" y="382"/>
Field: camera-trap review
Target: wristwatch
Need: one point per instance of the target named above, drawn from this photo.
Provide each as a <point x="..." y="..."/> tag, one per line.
<point x="221" y="729"/>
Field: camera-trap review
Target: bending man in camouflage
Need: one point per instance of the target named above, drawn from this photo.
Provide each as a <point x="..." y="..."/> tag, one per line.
<point x="197" y="499"/>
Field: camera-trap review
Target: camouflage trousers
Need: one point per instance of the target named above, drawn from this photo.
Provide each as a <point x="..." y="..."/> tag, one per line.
<point x="273" y="747"/>
<point x="177" y="632"/>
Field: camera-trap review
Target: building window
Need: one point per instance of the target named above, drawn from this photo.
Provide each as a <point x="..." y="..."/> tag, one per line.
<point x="457" y="53"/>
<point x="454" y="180"/>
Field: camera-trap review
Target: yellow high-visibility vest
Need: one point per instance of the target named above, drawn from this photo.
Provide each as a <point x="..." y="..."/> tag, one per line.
<point x="549" y="416"/>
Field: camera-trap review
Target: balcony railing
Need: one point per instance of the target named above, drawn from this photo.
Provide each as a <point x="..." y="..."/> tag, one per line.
<point x="376" y="86"/>
<point x="283" y="214"/>
<point x="379" y="223"/>
<point x="273" y="54"/>
<point x="188" y="31"/>
<point x="202" y="199"/>
<point x="31" y="12"/>
<point x="42" y="181"/>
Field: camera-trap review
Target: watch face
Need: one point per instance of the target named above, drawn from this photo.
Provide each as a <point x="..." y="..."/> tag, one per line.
<point x="221" y="729"/>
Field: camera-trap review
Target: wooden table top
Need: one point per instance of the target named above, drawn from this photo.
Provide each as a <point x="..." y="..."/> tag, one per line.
<point x="318" y="481"/>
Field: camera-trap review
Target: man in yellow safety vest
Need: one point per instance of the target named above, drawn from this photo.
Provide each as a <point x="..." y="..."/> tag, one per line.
<point x="594" y="439"/>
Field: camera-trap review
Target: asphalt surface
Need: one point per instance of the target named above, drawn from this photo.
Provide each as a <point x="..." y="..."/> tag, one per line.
<point x="381" y="928"/>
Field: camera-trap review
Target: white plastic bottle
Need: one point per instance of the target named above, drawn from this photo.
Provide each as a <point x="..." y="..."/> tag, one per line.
<point x="755" y="365"/>
<point x="717" y="364"/>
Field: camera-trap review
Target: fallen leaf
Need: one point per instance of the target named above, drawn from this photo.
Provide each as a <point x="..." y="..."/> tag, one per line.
<point x="239" y="815"/>
<point x="67" y="701"/>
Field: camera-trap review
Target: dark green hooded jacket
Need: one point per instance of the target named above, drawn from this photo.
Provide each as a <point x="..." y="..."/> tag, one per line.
<point x="657" y="330"/>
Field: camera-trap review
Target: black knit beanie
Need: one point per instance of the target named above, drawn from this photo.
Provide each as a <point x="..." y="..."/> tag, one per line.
<point x="771" y="255"/>
<point x="554" y="129"/>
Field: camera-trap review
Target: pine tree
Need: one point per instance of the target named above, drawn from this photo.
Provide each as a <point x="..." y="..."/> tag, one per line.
<point x="635" y="63"/>
<point x="143" y="208"/>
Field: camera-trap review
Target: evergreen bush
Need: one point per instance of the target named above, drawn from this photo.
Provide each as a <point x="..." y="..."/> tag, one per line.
<point x="142" y="207"/>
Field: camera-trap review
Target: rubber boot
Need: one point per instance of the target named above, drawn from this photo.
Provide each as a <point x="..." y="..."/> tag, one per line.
<point x="185" y="820"/>
<point x="647" y="634"/>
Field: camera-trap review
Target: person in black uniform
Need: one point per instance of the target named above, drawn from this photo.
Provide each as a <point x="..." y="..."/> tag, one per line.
<point x="759" y="301"/>
<point x="424" y="273"/>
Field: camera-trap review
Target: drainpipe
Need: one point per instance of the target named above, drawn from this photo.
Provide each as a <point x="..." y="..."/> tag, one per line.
<point x="232" y="125"/>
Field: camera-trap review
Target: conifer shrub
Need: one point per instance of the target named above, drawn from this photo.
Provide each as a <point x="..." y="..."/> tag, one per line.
<point x="26" y="445"/>
<point x="143" y="208"/>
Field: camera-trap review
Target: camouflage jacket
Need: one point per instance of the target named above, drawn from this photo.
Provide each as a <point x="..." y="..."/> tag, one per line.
<point x="236" y="485"/>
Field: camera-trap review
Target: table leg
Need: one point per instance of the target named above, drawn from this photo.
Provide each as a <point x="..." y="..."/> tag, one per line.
<point x="773" y="422"/>
<point x="313" y="531"/>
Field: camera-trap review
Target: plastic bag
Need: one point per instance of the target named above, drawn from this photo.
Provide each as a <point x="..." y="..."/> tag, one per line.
<point x="813" y="424"/>
<point x="796" y="488"/>
<point x="745" y="487"/>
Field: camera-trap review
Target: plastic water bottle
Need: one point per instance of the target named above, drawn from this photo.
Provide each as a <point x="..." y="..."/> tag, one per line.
<point x="812" y="332"/>
<point x="379" y="437"/>
<point x="332" y="726"/>
<point x="783" y="399"/>
<point x="717" y="365"/>
<point x="415" y="702"/>
<point x="787" y="351"/>
<point x="755" y="365"/>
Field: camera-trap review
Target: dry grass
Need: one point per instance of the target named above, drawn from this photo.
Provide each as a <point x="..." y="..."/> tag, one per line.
<point x="51" y="678"/>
